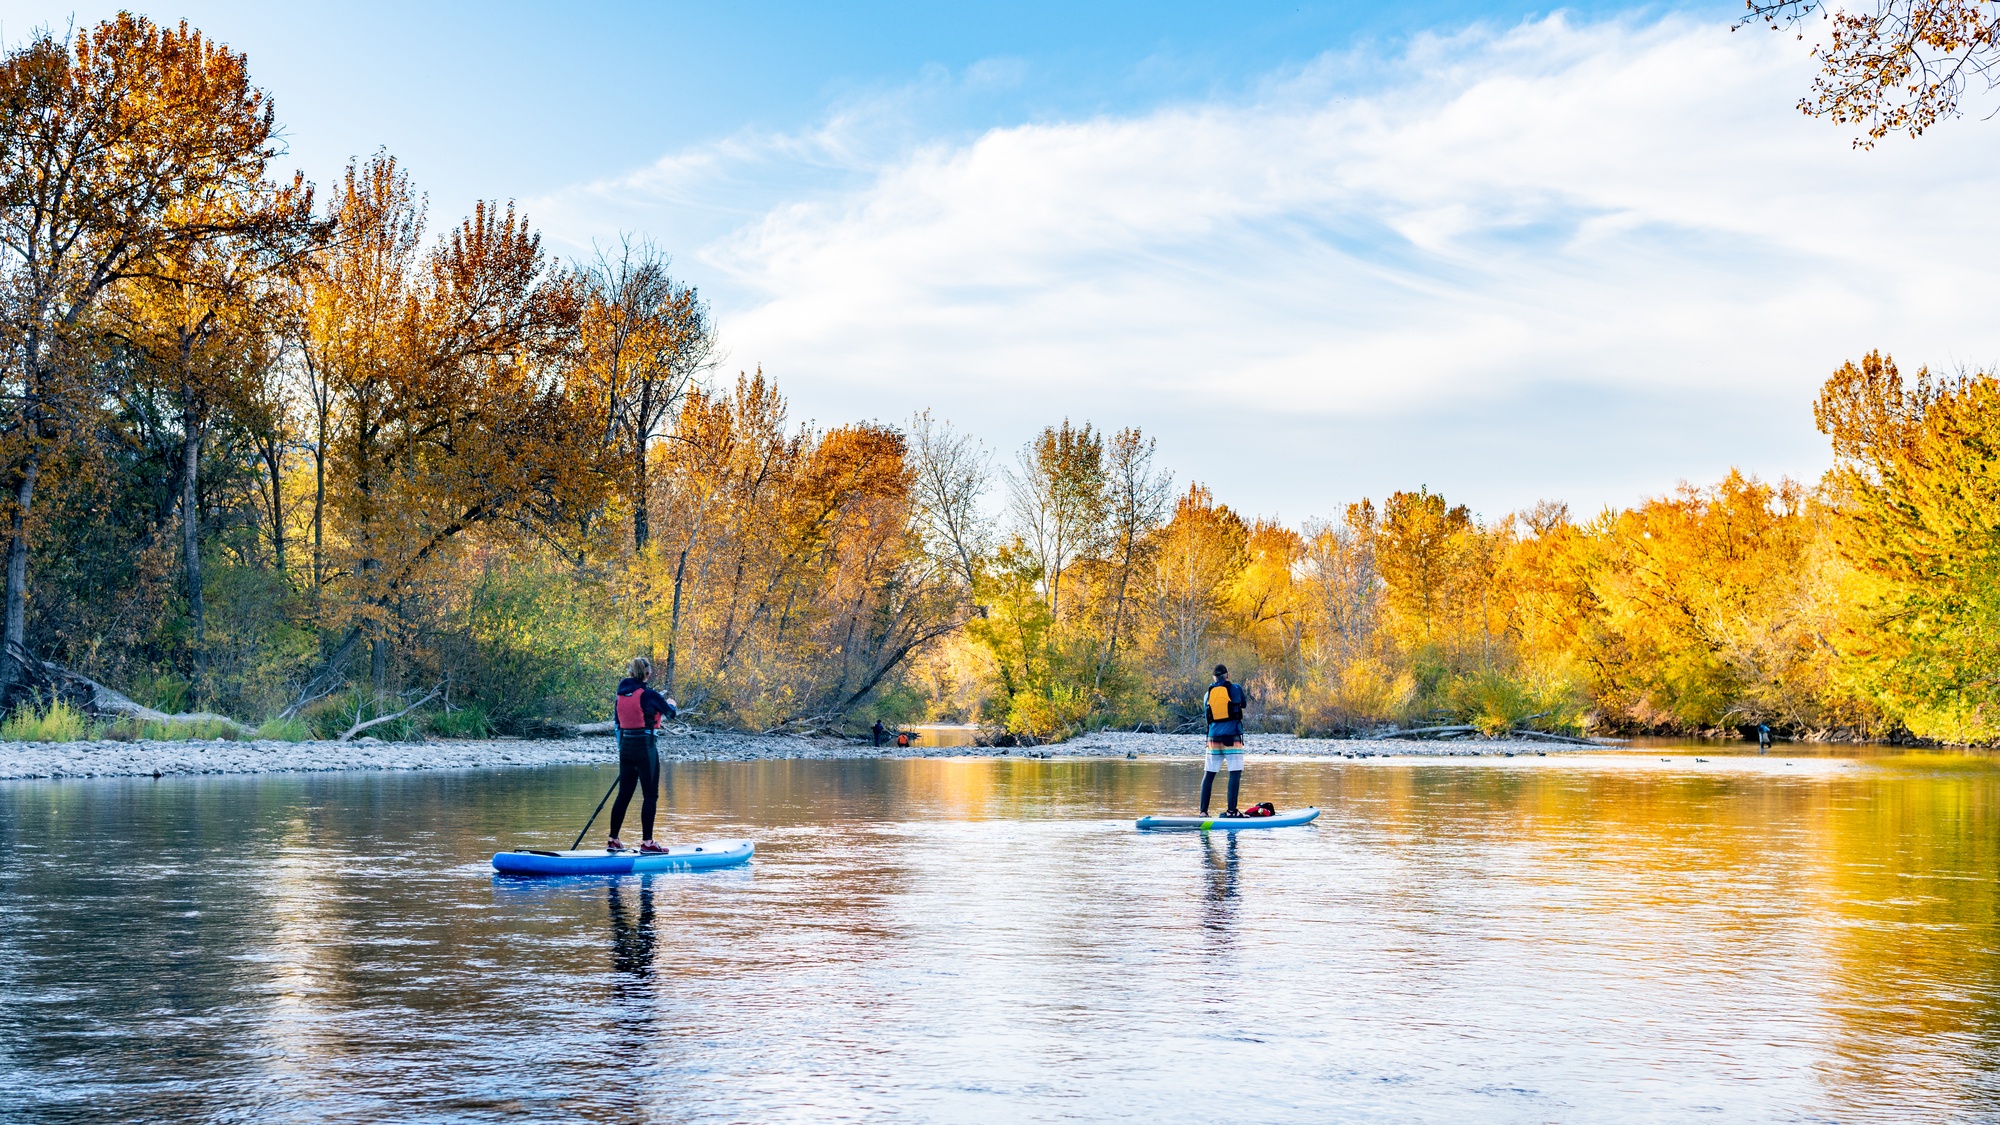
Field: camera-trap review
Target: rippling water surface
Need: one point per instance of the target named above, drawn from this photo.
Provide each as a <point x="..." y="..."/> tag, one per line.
<point x="1530" y="939"/>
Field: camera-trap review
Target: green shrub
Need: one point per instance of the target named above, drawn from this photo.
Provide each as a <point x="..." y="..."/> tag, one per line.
<point x="546" y="645"/>
<point x="206" y="729"/>
<point x="896" y="705"/>
<point x="1497" y="702"/>
<point x="58" y="722"/>
<point x="1357" y="694"/>
<point x="160" y="690"/>
<point x="128" y="729"/>
<point x="285" y="730"/>
<point x="257" y="644"/>
<point x="1052" y="713"/>
<point x="461" y="722"/>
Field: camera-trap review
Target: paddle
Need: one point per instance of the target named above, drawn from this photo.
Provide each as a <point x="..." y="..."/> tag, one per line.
<point x="593" y="816"/>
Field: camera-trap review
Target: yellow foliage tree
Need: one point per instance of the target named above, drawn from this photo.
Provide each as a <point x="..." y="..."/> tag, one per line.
<point x="1918" y="480"/>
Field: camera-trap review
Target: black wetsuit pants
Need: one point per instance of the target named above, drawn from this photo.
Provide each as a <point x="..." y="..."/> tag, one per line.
<point x="638" y="764"/>
<point x="1208" y="788"/>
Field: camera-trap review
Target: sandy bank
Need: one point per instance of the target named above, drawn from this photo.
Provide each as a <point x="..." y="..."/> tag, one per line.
<point x="129" y="759"/>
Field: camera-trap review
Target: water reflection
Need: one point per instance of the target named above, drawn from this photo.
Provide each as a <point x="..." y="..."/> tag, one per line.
<point x="1219" y="897"/>
<point x="632" y="938"/>
<point x="975" y="939"/>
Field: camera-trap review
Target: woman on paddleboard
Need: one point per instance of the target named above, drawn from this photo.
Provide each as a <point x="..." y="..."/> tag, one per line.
<point x="637" y="717"/>
<point x="1223" y="703"/>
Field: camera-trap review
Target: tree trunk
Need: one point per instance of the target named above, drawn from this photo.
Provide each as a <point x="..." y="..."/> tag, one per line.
<point x="1117" y="613"/>
<point x="191" y="545"/>
<point x="14" y="671"/>
<point x="319" y="506"/>
<point x="674" y="623"/>
<point x="378" y="663"/>
<point x="274" y="461"/>
<point x="642" y="496"/>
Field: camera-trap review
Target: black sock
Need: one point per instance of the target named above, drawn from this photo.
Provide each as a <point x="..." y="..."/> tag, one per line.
<point x="1235" y="783"/>
<point x="1207" y="787"/>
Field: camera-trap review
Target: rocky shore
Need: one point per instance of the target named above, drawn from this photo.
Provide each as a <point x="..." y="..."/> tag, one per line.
<point x="151" y="758"/>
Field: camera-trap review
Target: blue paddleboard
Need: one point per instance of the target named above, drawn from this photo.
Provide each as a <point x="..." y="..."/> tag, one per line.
<point x="1231" y="823"/>
<point x="680" y="857"/>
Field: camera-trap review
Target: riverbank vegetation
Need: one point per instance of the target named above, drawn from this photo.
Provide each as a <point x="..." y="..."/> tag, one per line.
<point x="301" y="457"/>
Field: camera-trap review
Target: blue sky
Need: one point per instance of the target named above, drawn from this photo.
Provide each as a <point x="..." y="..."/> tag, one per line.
<point x="1321" y="251"/>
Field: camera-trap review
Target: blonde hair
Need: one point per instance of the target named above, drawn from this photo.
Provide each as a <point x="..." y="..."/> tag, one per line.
<point x="640" y="668"/>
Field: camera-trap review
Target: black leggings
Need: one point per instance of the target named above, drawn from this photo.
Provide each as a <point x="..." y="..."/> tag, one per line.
<point x="638" y="762"/>
<point x="1208" y="787"/>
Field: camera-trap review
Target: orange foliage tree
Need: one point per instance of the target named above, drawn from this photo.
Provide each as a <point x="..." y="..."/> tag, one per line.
<point x="125" y="152"/>
<point x="445" y="408"/>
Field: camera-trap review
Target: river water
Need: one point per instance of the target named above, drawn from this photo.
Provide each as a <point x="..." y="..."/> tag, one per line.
<point x="1530" y="939"/>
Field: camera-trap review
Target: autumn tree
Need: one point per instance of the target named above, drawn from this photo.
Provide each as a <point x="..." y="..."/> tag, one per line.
<point x="1347" y="677"/>
<point x="1900" y="65"/>
<point x="131" y="146"/>
<point x="1340" y="590"/>
<point x="1420" y="551"/>
<point x="446" y="406"/>
<point x="1686" y="584"/>
<point x="731" y="458"/>
<point x="1057" y="497"/>
<point x="1916" y="474"/>
<point x="642" y="340"/>
<point x="864" y="594"/>
<point x="1195" y="558"/>
<point x="1137" y="495"/>
<point x="793" y="576"/>
<point x="950" y="474"/>
<point x="201" y="321"/>
<point x="1265" y="600"/>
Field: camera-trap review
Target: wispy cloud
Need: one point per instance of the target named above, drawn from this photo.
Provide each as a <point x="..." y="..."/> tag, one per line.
<point x="1616" y="240"/>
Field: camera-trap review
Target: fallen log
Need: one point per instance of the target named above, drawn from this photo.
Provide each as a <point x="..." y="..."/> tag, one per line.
<point x="580" y="730"/>
<point x="1545" y="736"/>
<point x="98" y="701"/>
<point x="1427" y="732"/>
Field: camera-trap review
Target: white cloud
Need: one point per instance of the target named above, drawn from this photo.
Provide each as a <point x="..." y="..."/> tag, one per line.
<point x="1335" y="285"/>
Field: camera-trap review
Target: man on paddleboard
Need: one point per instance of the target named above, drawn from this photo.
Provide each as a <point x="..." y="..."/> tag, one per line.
<point x="1224" y="704"/>
<point x="637" y="717"/>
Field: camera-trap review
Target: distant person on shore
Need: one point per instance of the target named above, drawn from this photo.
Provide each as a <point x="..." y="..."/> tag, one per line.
<point x="1224" y="704"/>
<point x="637" y="716"/>
<point x="1763" y="738"/>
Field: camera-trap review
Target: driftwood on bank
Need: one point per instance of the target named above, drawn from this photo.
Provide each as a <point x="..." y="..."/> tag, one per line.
<point x="580" y="730"/>
<point x="1545" y="736"/>
<point x="1460" y="730"/>
<point x="98" y="701"/>
<point x="1455" y="731"/>
<point x="378" y="720"/>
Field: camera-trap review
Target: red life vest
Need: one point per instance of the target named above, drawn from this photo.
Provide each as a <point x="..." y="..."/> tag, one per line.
<point x="632" y="711"/>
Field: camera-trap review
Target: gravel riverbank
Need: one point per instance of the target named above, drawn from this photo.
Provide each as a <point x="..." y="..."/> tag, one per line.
<point x="142" y="759"/>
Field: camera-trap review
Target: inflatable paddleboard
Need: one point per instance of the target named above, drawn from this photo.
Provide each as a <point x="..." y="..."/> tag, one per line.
<point x="680" y="857"/>
<point x="1231" y="823"/>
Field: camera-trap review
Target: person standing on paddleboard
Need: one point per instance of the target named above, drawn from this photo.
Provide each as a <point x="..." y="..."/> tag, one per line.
<point x="637" y="716"/>
<point x="1224" y="704"/>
